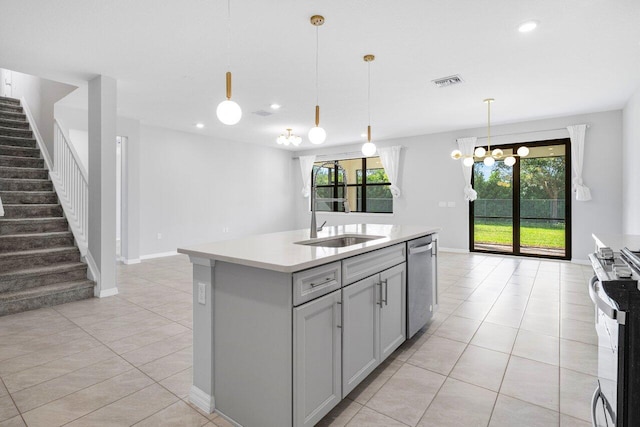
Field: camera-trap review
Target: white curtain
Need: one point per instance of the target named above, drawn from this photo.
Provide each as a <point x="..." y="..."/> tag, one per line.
<point x="306" y="166"/>
<point x="467" y="145"/>
<point x="1" y="208"/>
<point x="390" y="158"/>
<point x="577" y="133"/>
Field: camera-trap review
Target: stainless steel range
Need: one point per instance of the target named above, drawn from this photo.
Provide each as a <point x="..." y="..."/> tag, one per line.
<point x="614" y="291"/>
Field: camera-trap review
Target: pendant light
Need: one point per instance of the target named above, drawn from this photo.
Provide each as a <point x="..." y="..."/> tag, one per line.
<point x="228" y="111"/>
<point x="489" y="156"/>
<point x="369" y="148"/>
<point x="317" y="135"/>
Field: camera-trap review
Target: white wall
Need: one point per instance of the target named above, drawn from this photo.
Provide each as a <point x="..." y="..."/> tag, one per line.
<point x="192" y="187"/>
<point x="41" y="96"/>
<point x="428" y="175"/>
<point x="630" y="169"/>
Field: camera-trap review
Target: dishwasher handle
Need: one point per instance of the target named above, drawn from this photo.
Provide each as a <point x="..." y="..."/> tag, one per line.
<point x="606" y="308"/>
<point x="419" y="249"/>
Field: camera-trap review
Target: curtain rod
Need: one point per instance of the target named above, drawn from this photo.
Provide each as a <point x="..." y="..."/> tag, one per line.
<point x="531" y="131"/>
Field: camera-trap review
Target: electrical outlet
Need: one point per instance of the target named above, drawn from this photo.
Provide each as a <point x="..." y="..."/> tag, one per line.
<point x="202" y="293"/>
<point x="159" y="236"/>
<point x="226" y="229"/>
<point x="442" y="204"/>
<point x="451" y="204"/>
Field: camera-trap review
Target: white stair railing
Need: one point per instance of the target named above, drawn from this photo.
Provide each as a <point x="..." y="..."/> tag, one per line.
<point x="71" y="181"/>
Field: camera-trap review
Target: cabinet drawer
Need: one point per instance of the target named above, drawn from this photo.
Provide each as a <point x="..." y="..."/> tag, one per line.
<point x="361" y="266"/>
<point x="315" y="282"/>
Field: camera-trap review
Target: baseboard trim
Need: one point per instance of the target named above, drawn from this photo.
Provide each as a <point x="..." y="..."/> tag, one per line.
<point x="159" y="255"/>
<point x="108" y="293"/>
<point x="202" y="400"/>
<point x="231" y="420"/>
<point x="580" y="261"/>
<point x="454" y="250"/>
<point x="131" y="261"/>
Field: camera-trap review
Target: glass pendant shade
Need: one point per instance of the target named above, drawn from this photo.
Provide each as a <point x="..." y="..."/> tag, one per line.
<point x="497" y="153"/>
<point x="523" y="151"/>
<point x="489" y="161"/>
<point x="282" y="140"/>
<point x="468" y="161"/>
<point x="229" y="112"/>
<point x="368" y="149"/>
<point x="479" y="152"/>
<point x="510" y="161"/>
<point x="456" y="154"/>
<point x="295" y="140"/>
<point x="317" y="135"/>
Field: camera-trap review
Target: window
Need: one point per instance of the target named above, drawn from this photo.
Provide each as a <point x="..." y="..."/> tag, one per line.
<point x="366" y="192"/>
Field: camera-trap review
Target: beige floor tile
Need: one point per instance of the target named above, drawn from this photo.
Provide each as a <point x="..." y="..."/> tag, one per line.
<point x="370" y="385"/>
<point x="169" y="365"/>
<point x="368" y="418"/>
<point x="506" y="316"/>
<point x="481" y="367"/>
<point x="151" y="352"/>
<point x="579" y="357"/>
<point x="7" y="408"/>
<point x="177" y="415"/>
<point x="51" y="390"/>
<point x="458" y="328"/>
<point x="341" y="414"/>
<point x="544" y="324"/>
<point x="180" y="383"/>
<point x="13" y="422"/>
<point x="473" y="309"/>
<point x="576" y="390"/>
<point x="448" y="305"/>
<point x="407" y="394"/>
<point x="577" y="312"/>
<point x="409" y="347"/>
<point x="438" y="354"/>
<point x="567" y="421"/>
<point x="82" y="402"/>
<point x="130" y="409"/>
<point x="495" y="337"/>
<point x="510" y="412"/>
<point x="579" y="331"/>
<point x="459" y="404"/>
<point x="147" y="337"/>
<point x="535" y="346"/>
<point x="3" y="389"/>
<point x="533" y="382"/>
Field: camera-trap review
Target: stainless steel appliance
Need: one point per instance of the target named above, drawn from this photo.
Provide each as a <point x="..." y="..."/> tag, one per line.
<point x="614" y="291"/>
<point x="422" y="280"/>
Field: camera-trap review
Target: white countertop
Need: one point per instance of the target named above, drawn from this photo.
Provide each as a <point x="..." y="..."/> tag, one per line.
<point x="279" y="252"/>
<point x="617" y="241"/>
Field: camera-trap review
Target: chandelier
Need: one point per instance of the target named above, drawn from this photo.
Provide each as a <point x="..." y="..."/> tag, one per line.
<point x="289" y="138"/>
<point x="228" y="111"/>
<point x="487" y="155"/>
<point x="369" y="148"/>
<point x="317" y="135"/>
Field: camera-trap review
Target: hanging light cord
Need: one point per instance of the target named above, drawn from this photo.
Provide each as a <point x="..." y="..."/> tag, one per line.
<point x="369" y="92"/>
<point x="228" y="35"/>
<point x="317" y="56"/>
<point x="489" y="126"/>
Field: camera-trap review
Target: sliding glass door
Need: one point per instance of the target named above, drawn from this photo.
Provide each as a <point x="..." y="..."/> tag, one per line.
<point x="524" y="209"/>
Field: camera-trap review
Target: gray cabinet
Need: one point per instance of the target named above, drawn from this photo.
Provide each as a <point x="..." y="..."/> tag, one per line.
<point x="317" y="343"/>
<point x="393" y="321"/>
<point x="374" y="323"/>
<point x="361" y="331"/>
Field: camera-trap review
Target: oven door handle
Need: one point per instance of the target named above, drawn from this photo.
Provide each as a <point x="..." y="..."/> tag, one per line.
<point x="606" y="308"/>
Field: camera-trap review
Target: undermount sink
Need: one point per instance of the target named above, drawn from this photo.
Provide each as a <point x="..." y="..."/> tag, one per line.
<point x="340" y="241"/>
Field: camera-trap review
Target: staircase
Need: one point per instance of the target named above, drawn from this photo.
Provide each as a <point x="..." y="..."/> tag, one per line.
<point x="39" y="262"/>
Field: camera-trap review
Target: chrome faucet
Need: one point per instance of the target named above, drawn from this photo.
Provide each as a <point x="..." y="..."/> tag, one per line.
<point x="314" y="197"/>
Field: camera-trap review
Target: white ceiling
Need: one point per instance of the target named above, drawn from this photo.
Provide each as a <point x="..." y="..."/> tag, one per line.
<point x="170" y="58"/>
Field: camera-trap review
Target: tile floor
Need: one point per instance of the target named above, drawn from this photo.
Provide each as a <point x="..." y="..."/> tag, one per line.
<point x="512" y="345"/>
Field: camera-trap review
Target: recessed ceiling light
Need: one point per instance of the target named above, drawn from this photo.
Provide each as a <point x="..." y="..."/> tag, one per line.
<point x="199" y="125"/>
<point x="527" y="26"/>
<point x="275" y="106"/>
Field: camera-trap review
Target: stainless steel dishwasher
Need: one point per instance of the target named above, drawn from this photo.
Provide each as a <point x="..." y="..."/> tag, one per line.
<point x="422" y="280"/>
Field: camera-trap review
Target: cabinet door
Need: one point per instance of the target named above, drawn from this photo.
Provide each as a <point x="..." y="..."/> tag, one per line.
<point x="393" y="309"/>
<point x="361" y="345"/>
<point x="317" y="358"/>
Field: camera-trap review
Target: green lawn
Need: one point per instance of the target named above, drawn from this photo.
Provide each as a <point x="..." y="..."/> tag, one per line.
<point x="531" y="235"/>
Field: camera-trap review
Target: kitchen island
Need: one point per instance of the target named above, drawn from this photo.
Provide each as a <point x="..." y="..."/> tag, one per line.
<point x="285" y="326"/>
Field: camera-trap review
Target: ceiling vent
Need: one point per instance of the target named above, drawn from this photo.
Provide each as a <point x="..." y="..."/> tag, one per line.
<point x="262" y="113"/>
<point x="448" y="81"/>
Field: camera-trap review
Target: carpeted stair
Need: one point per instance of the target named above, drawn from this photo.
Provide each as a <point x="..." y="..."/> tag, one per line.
<point x="39" y="263"/>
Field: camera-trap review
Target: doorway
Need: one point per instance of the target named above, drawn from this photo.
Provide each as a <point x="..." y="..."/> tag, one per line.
<point x="524" y="209"/>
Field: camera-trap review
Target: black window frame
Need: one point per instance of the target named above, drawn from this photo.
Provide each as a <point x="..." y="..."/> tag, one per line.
<point x="336" y="185"/>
